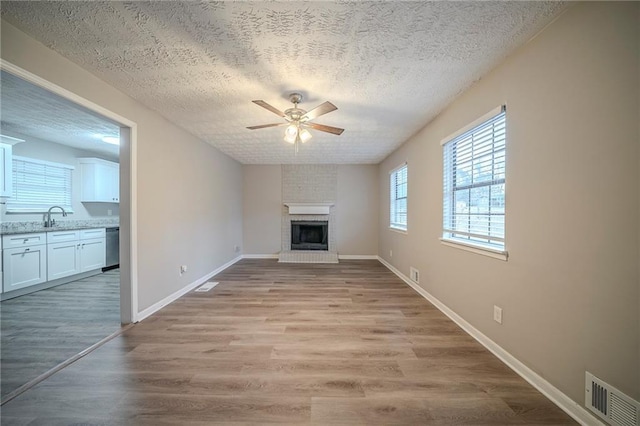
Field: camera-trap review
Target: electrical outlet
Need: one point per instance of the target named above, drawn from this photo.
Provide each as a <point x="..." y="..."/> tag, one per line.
<point x="236" y="249"/>
<point x="183" y="269"/>
<point x="390" y="253"/>
<point x="497" y="314"/>
<point x="414" y="274"/>
<point x="109" y="212"/>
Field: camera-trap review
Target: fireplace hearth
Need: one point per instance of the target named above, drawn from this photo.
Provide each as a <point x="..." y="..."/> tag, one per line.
<point x="309" y="235"/>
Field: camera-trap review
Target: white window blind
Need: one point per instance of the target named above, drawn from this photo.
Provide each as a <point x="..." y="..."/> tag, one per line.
<point x="38" y="185"/>
<point x="474" y="185"/>
<point x="398" y="191"/>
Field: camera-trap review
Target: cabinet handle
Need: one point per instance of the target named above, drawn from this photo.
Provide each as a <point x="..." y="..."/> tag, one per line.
<point x="26" y="250"/>
<point x="78" y="245"/>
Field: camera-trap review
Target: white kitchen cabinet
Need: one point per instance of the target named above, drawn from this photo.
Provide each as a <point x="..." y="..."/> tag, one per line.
<point x="92" y="254"/>
<point x="23" y="267"/>
<point x="62" y="236"/>
<point x="6" y="164"/>
<point x="100" y="180"/>
<point x="73" y="252"/>
<point x="87" y="234"/>
<point x="24" y="260"/>
<point x="23" y="240"/>
<point x="6" y="175"/>
<point x="63" y="259"/>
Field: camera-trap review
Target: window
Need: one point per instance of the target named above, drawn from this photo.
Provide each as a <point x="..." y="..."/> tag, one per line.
<point x="38" y="185"/>
<point x="474" y="184"/>
<point x="398" y="181"/>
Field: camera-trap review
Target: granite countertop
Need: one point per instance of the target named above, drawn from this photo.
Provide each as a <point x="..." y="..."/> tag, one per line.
<point x="52" y="229"/>
<point x="12" y="228"/>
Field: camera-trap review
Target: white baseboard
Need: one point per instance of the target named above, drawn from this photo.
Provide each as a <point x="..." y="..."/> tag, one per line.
<point x="569" y="406"/>
<point x="176" y="295"/>
<point x="357" y="256"/>
<point x="340" y="256"/>
<point x="260" y="256"/>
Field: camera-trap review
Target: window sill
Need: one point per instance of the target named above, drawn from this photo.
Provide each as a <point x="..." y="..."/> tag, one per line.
<point x="485" y="251"/>
<point x="36" y="211"/>
<point x="398" y="230"/>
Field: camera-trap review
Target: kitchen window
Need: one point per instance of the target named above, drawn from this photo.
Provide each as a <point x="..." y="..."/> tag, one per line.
<point x="474" y="186"/>
<point x="398" y="191"/>
<point x="38" y="185"/>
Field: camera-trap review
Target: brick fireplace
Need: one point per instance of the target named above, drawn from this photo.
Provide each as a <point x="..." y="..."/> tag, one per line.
<point x="309" y="194"/>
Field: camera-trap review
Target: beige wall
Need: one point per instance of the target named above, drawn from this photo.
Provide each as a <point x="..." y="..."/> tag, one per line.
<point x="356" y="207"/>
<point x="49" y="151"/>
<point x="262" y="205"/>
<point x="570" y="288"/>
<point x="189" y="194"/>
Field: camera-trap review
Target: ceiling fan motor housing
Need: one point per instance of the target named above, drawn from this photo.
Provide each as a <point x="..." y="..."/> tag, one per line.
<point x="295" y="114"/>
<point x="295" y="98"/>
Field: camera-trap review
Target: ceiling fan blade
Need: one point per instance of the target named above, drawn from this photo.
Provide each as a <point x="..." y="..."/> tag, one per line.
<point x="273" y="109"/>
<point x="323" y="128"/>
<point x="320" y="110"/>
<point x="262" y="126"/>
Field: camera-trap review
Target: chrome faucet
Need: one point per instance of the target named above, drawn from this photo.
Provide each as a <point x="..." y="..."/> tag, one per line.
<point x="48" y="223"/>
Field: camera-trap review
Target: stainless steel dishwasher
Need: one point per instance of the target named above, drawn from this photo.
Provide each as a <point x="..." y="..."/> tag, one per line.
<point x="113" y="248"/>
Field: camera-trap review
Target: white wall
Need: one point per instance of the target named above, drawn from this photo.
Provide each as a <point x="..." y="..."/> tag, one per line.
<point x="356" y="207"/>
<point x="570" y="288"/>
<point x="189" y="194"/>
<point x="50" y="151"/>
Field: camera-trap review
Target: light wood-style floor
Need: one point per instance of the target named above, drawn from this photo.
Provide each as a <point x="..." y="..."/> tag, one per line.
<point x="290" y="344"/>
<point x="42" y="329"/>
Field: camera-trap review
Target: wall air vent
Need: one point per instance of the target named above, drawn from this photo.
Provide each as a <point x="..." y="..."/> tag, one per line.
<point x="609" y="403"/>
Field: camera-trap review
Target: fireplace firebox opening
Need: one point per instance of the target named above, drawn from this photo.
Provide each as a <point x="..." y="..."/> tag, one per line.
<point x="309" y="235"/>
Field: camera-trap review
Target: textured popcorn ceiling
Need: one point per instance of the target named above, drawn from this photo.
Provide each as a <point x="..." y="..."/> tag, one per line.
<point x="389" y="67"/>
<point x="28" y="110"/>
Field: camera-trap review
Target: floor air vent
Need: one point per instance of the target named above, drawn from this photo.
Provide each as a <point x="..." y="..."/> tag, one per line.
<point x="206" y="286"/>
<point x="609" y="403"/>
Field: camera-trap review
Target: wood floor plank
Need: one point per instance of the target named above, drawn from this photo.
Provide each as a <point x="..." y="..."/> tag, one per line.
<point x="287" y="386"/>
<point x="358" y="368"/>
<point x="290" y="344"/>
<point x="369" y="411"/>
<point x="43" y="329"/>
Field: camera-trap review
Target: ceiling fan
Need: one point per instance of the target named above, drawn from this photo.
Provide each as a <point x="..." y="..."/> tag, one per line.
<point x="298" y="120"/>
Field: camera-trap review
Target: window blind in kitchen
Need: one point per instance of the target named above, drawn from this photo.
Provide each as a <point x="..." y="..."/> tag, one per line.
<point x="39" y="185"/>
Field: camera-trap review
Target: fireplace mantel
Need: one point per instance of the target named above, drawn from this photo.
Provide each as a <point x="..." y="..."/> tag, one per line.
<point x="309" y="208"/>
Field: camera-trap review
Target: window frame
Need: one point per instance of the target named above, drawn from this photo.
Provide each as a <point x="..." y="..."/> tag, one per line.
<point x="492" y="246"/>
<point x="14" y="206"/>
<point x="393" y="198"/>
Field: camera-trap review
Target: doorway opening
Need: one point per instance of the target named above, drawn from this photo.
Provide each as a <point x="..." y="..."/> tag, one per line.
<point x="100" y="301"/>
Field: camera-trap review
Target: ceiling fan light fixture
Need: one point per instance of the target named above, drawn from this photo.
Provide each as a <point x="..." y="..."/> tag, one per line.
<point x="305" y="135"/>
<point x="291" y="133"/>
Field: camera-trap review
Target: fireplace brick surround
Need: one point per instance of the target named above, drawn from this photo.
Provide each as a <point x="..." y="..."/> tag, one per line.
<point x="304" y="185"/>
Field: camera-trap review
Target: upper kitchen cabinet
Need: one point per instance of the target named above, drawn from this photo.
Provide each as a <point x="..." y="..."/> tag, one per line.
<point x="6" y="166"/>
<point x="100" y="180"/>
<point x="5" y="173"/>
